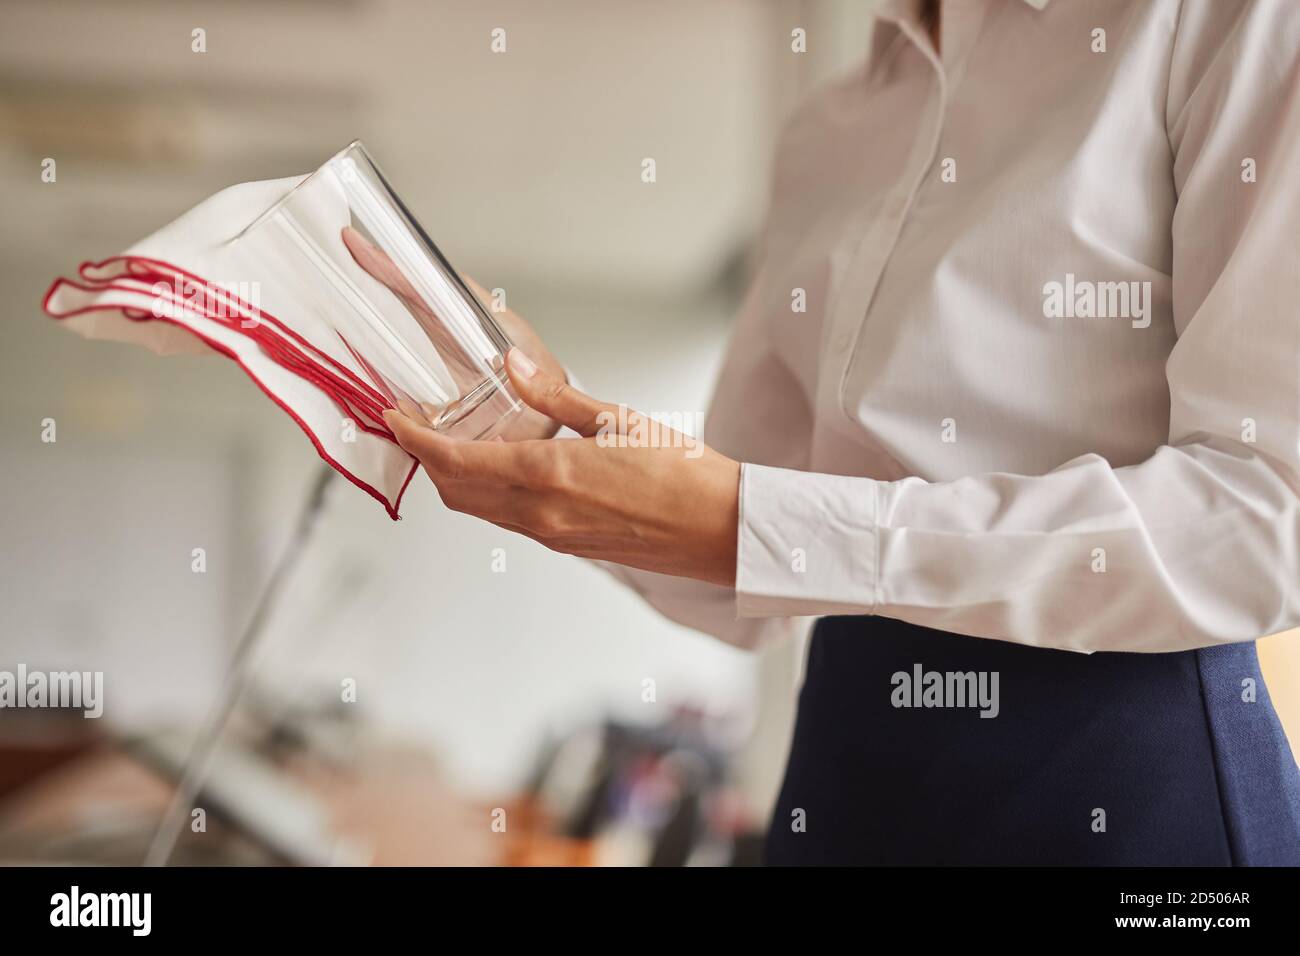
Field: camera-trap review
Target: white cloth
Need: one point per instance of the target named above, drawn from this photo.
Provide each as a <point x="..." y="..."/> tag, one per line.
<point x="111" y="300"/>
<point x="932" y="440"/>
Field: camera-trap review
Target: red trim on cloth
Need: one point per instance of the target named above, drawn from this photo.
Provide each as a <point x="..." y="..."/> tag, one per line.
<point x="350" y="399"/>
<point x="248" y="309"/>
<point x="365" y="396"/>
<point x="347" y="399"/>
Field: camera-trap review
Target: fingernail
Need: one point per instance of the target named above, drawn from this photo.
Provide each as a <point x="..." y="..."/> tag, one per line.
<point x="521" y="363"/>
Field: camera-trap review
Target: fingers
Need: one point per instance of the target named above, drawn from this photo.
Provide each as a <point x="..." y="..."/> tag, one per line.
<point x="556" y="398"/>
<point x="380" y="265"/>
<point x="371" y="258"/>
<point x="417" y="412"/>
<point x="501" y="463"/>
<point x="486" y="479"/>
<point x="465" y="371"/>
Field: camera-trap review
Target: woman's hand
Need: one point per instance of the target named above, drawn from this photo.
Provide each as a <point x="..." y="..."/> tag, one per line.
<point x="630" y="490"/>
<point x="533" y="423"/>
<point x="465" y="369"/>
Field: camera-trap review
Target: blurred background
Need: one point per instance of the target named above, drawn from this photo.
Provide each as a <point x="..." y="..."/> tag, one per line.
<point x="499" y="718"/>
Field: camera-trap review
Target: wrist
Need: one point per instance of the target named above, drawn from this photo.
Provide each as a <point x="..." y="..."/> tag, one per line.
<point x="721" y="563"/>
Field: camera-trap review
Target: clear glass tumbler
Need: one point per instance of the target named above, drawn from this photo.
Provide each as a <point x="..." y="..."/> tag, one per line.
<point x="369" y="287"/>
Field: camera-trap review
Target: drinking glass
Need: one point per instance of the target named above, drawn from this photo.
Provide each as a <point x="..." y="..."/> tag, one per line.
<point x="370" y="288"/>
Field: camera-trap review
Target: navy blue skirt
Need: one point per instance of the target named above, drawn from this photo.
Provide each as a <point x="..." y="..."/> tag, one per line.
<point x="1103" y="759"/>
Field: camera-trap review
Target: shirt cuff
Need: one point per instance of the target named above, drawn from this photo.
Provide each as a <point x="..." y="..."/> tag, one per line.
<point x="807" y="544"/>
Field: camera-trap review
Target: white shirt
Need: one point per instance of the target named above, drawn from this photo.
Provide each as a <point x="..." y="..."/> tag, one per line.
<point x="1046" y="388"/>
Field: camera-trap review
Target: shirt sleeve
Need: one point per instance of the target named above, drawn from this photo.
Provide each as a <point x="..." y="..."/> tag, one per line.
<point x="1199" y="544"/>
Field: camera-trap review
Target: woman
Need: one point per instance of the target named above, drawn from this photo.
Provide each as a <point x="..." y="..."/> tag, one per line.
<point x="1015" y="395"/>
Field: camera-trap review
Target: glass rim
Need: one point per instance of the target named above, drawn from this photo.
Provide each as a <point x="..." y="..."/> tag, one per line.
<point x="271" y="210"/>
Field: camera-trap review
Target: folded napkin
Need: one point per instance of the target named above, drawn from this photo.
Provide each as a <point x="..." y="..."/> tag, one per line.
<point x="205" y="283"/>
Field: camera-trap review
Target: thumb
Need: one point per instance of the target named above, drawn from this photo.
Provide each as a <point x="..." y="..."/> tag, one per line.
<point x="556" y="398"/>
